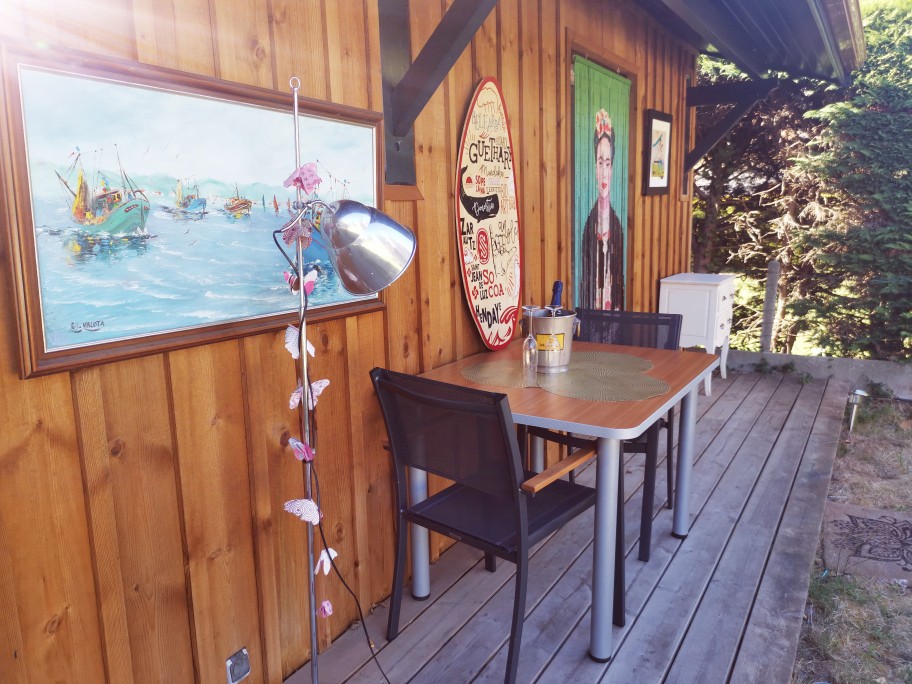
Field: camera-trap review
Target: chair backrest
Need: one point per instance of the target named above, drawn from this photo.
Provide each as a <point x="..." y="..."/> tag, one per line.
<point x="465" y="435"/>
<point x="632" y="328"/>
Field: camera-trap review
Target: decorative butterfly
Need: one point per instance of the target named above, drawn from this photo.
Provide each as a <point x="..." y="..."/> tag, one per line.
<point x="885" y="540"/>
<point x="306" y="509"/>
<point x="305" y="178"/>
<point x="325" y="561"/>
<point x="295" y="399"/>
<point x="310" y="281"/>
<point x="298" y="228"/>
<point x="325" y="609"/>
<point x="291" y="279"/>
<point x="293" y="345"/>
<point x="316" y="389"/>
<point x="302" y="450"/>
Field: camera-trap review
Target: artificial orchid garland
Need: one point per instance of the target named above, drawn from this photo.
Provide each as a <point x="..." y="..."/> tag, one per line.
<point x="306" y="509"/>
<point x="326" y="558"/>
<point x="300" y="229"/>
<point x="305" y="178"/>
<point x="292" y="343"/>
<point x="302" y="451"/>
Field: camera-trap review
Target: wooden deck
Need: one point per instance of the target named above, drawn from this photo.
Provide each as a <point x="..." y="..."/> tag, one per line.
<point x="725" y="604"/>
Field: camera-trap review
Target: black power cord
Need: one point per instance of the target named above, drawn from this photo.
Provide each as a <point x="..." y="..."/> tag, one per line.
<point x="370" y="642"/>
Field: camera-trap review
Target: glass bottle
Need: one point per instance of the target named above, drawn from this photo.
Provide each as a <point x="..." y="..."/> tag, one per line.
<point x="529" y="351"/>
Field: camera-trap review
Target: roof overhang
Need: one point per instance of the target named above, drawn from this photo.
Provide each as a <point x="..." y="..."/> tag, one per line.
<point x="819" y="38"/>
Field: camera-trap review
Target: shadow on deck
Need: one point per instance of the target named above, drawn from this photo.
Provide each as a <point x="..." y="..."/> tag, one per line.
<point x="725" y="604"/>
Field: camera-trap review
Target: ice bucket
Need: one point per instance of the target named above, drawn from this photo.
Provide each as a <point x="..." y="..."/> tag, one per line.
<point x="554" y="336"/>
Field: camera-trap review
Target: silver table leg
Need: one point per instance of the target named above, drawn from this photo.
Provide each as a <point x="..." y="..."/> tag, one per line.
<point x="606" y="475"/>
<point x="688" y="425"/>
<point x="421" y="571"/>
<point x="537" y="449"/>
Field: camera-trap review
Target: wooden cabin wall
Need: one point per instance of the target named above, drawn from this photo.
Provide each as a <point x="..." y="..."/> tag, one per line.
<point x="142" y="536"/>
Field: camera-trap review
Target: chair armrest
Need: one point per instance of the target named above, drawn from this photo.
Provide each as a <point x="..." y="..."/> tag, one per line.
<point x="535" y="484"/>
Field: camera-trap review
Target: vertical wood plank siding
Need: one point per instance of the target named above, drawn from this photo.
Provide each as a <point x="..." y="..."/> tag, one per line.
<point x="142" y="536"/>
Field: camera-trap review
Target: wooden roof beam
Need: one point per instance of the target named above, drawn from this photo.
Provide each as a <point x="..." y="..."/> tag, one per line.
<point x="743" y="95"/>
<point x="407" y="88"/>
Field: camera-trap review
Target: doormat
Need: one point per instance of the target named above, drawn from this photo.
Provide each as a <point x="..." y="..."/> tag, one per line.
<point x="867" y="541"/>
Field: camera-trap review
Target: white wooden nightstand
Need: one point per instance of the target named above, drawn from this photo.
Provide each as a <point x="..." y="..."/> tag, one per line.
<point x="705" y="302"/>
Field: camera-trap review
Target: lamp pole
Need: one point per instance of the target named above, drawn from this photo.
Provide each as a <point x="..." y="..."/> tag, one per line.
<point x="305" y="408"/>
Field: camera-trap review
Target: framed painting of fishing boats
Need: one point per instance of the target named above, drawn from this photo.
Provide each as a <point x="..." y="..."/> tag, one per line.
<point x="144" y="205"/>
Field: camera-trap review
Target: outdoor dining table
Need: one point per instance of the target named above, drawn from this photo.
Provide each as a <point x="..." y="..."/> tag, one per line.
<point x="609" y="422"/>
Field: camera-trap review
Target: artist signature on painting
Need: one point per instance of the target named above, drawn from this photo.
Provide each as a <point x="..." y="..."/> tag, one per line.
<point x="88" y="326"/>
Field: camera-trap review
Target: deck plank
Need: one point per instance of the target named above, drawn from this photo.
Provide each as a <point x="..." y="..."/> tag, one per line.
<point x="770" y="642"/>
<point x="756" y="511"/>
<point x="726" y="605"/>
<point x="765" y="454"/>
<point x="349" y="652"/>
<point x="549" y="623"/>
<point x="465" y="654"/>
<point x="732" y="423"/>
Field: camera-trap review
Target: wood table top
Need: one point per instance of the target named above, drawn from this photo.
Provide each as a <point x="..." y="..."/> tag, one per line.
<point x="682" y="370"/>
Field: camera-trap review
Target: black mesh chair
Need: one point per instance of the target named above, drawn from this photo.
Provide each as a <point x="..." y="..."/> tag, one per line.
<point x="637" y="329"/>
<point x="634" y="329"/>
<point x="468" y="436"/>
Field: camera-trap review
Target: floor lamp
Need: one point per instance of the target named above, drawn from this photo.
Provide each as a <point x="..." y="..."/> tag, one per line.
<point x="368" y="250"/>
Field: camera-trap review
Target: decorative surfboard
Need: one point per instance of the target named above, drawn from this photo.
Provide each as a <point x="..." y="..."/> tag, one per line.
<point x="487" y="218"/>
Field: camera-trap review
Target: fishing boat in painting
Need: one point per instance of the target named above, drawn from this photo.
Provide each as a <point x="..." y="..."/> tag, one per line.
<point x="188" y="205"/>
<point x="238" y="206"/>
<point x="115" y="208"/>
<point x="191" y="202"/>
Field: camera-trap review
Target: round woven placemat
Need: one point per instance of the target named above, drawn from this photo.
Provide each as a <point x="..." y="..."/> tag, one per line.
<point x="625" y="363"/>
<point x="500" y="373"/>
<point x="594" y="376"/>
<point x="594" y="384"/>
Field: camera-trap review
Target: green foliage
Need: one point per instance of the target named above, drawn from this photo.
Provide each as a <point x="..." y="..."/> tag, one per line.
<point x="748" y="211"/>
<point x="818" y="178"/>
<point x="863" y="157"/>
<point x="878" y="390"/>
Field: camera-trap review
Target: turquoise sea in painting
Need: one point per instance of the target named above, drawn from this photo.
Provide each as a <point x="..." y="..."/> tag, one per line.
<point x="180" y="274"/>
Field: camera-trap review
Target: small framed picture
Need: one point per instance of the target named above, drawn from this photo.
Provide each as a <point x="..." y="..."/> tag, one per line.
<point x="656" y="152"/>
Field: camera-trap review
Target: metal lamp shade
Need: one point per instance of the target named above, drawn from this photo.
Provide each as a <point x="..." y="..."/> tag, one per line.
<point x="368" y="249"/>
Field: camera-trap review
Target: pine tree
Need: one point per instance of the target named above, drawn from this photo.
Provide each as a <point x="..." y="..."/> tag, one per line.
<point x="863" y="159"/>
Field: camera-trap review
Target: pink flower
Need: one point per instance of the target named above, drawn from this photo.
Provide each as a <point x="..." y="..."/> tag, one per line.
<point x="298" y="229"/>
<point x="325" y="609"/>
<point x="305" y="178"/>
<point x="302" y="451"/>
<point x="310" y="281"/>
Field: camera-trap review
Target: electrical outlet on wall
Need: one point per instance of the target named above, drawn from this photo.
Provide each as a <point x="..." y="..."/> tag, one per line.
<point x="238" y="666"/>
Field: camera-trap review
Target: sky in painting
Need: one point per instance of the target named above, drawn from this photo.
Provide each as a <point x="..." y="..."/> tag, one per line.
<point x="169" y="135"/>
